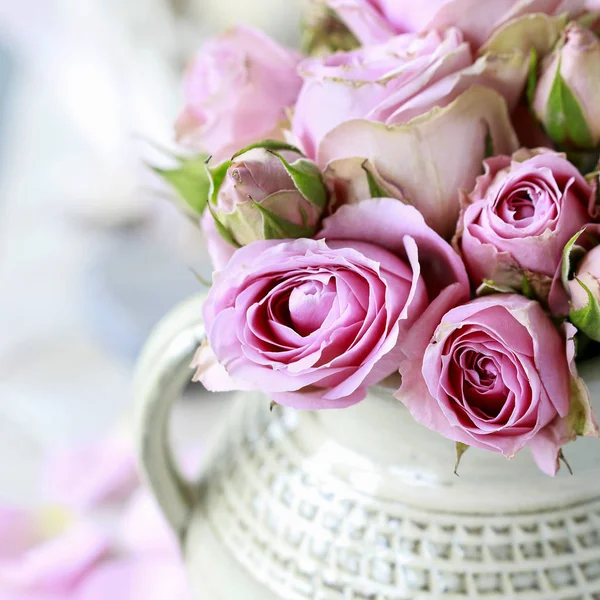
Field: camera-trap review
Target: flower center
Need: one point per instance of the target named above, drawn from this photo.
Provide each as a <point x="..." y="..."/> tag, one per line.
<point x="483" y="389"/>
<point x="309" y="304"/>
<point x="522" y="205"/>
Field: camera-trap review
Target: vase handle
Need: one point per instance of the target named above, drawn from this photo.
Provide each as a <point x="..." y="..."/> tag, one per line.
<point x="162" y="373"/>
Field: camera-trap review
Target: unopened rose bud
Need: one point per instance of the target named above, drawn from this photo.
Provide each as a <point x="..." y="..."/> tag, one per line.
<point x="266" y="193"/>
<point x="588" y="274"/>
<point x="566" y="98"/>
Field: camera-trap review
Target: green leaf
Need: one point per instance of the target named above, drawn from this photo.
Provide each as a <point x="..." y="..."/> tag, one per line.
<point x="532" y="79"/>
<point x="565" y="121"/>
<point x="307" y="178"/>
<point x="374" y="189"/>
<point x="277" y="228"/>
<point x="587" y="319"/>
<point x="273" y="145"/>
<point x="570" y="253"/>
<point x="460" y="450"/>
<point x="189" y="180"/>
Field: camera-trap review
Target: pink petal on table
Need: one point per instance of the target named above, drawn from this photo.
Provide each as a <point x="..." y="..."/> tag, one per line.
<point x="17" y="531"/>
<point x="87" y="476"/>
<point x="20" y="595"/>
<point x="136" y="579"/>
<point x="57" y="565"/>
<point x="144" y="530"/>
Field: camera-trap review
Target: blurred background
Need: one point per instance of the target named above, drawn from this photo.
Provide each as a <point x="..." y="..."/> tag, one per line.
<point x="92" y="251"/>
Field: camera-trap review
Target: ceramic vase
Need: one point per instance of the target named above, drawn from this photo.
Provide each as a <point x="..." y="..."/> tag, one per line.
<point x="361" y="503"/>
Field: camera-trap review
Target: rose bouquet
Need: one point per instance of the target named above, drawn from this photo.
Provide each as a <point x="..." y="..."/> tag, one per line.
<point x="413" y="202"/>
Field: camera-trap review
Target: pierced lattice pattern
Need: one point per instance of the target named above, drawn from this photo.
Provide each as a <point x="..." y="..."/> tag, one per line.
<point x="316" y="538"/>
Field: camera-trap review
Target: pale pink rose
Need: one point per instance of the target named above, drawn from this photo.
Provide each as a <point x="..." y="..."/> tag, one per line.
<point x="395" y="82"/>
<point x="520" y="216"/>
<point x="497" y="375"/>
<point x="237" y="92"/>
<point x="408" y="166"/>
<point x="376" y="20"/>
<point x="314" y="322"/>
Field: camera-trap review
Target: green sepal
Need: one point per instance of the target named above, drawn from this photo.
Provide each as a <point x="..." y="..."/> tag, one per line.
<point x="489" y="142"/>
<point x="489" y="287"/>
<point x="189" y="180"/>
<point x="565" y="121"/>
<point x="276" y="228"/>
<point x="460" y="450"/>
<point x="587" y="319"/>
<point x="307" y="178"/>
<point x="216" y="176"/>
<point x="201" y="279"/>
<point x="570" y="254"/>
<point x="527" y="288"/>
<point x="273" y="145"/>
<point x="532" y="78"/>
<point x="221" y="229"/>
<point x="374" y="189"/>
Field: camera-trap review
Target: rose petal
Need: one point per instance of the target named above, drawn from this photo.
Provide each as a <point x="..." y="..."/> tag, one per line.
<point x="57" y="565"/>
<point x="136" y="579"/>
<point x="89" y="475"/>
<point x="404" y="155"/>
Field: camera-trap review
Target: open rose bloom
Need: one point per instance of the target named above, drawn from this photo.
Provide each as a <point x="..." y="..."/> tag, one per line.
<point x="373" y="217"/>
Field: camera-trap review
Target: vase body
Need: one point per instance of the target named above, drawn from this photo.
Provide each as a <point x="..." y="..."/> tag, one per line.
<point x="363" y="504"/>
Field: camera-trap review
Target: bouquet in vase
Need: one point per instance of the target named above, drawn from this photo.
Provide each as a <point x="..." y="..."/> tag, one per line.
<point x="412" y="202"/>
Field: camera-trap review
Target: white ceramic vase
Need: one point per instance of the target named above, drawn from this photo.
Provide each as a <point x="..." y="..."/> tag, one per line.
<point x="363" y="503"/>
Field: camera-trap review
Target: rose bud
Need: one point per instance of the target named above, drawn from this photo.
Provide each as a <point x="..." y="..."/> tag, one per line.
<point x="566" y="99"/>
<point x="588" y="273"/>
<point x="520" y="216"/>
<point x="583" y="289"/>
<point x="263" y="193"/>
<point x="237" y="92"/>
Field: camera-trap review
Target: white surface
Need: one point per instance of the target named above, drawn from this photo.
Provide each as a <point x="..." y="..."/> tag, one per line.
<point x="91" y="76"/>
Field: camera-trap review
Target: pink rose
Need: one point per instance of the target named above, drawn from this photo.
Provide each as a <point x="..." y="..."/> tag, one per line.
<point x="376" y="20"/>
<point x="237" y="92"/>
<point x="498" y="375"/>
<point x="396" y="81"/>
<point x="315" y="322"/>
<point x="520" y="216"/>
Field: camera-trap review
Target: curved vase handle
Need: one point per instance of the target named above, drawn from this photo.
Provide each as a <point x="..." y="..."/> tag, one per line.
<point x="162" y="373"/>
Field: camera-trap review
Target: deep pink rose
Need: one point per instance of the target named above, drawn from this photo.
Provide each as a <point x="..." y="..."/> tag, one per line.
<point x="314" y="322"/>
<point x="498" y="375"/>
<point x="520" y="216"/>
<point x="237" y="92"/>
<point x="376" y="20"/>
<point x="395" y="81"/>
